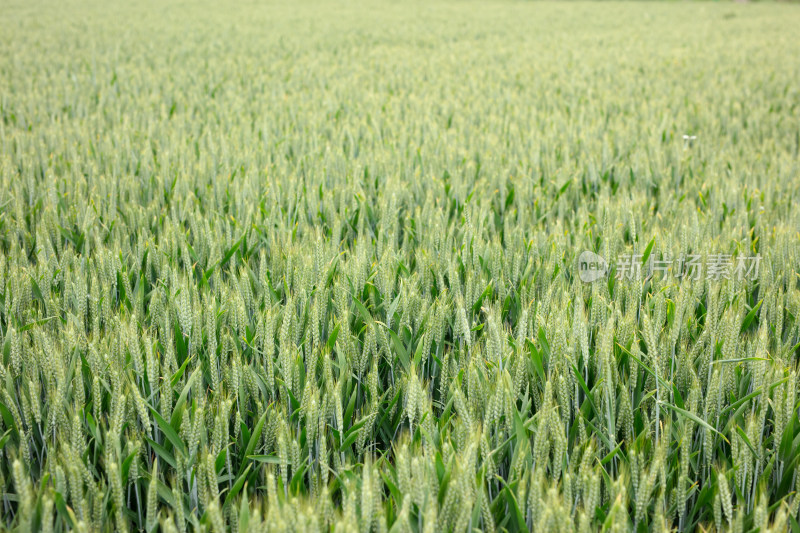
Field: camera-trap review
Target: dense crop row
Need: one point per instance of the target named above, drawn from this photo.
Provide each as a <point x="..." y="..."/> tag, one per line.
<point x="273" y="269"/>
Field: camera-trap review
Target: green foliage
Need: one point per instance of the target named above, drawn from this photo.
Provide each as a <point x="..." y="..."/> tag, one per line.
<point x="314" y="267"/>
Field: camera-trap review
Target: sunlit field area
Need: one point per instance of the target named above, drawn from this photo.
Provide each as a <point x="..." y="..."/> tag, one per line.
<point x="391" y="266"/>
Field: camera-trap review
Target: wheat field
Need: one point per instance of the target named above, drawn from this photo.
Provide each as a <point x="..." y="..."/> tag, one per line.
<point x="323" y="266"/>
